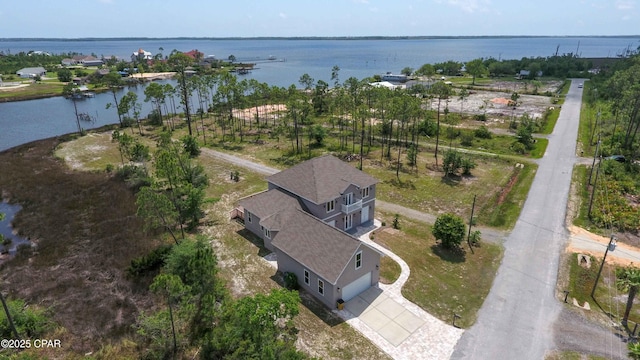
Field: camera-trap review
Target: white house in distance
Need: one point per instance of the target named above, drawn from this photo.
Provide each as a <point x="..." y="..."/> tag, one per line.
<point x="31" y="72"/>
<point x="307" y="218"/>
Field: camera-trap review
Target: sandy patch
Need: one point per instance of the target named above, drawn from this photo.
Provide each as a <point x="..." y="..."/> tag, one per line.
<point x="13" y="87"/>
<point x="501" y="101"/>
<point x="153" y="76"/>
<point x="623" y="255"/>
<point x="250" y="113"/>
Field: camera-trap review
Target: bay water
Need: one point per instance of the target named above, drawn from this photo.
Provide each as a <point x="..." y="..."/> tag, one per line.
<point x="26" y="121"/>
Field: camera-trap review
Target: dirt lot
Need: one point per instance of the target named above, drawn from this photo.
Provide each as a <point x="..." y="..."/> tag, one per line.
<point x="494" y="101"/>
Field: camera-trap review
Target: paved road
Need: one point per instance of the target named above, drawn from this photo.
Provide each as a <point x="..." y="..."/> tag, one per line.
<point x="518" y="316"/>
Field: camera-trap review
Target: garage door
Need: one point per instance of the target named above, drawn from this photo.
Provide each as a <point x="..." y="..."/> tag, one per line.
<point x="359" y="285"/>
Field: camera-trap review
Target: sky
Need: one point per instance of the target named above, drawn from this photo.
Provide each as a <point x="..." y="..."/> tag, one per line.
<point x="290" y="18"/>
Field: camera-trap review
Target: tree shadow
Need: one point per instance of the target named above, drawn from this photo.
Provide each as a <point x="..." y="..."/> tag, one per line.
<point x="406" y="184"/>
<point x="451" y="180"/>
<point x="455" y="255"/>
<point x="231" y="147"/>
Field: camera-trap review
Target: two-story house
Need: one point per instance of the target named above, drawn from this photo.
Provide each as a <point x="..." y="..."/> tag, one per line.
<point x="307" y="218"/>
<point x="331" y="190"/>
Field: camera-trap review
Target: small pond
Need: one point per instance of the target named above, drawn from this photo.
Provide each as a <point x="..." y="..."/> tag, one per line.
<point x="6" y="230"/>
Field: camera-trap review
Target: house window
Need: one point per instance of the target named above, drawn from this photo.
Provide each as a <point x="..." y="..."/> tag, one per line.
<point x="348" y="221"/>
<point x="306" y="277"/>
<point x="248" y="216"/>
<point x="321" y="287"/>
<point x="331" y="205"/>
<point x="365" y="192"/>
<point x="267" y="233"/>
<point x="358" y="260"/>
<point x="348" y="199"/>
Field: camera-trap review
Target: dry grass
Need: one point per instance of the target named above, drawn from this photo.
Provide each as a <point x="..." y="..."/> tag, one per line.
<point x="86" y="232"/>
<point x="90" y="153"/>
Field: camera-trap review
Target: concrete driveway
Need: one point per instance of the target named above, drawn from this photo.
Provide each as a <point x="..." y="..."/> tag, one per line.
<point x="399" y="327"/>
<point x="385" y="315"/>
<point x="396" y="325"/>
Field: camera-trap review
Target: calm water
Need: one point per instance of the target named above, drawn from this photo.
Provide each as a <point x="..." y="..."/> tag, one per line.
<point x="26" y="121"/>
<point x="358" y="58"/>
<point x="5" y="227"/>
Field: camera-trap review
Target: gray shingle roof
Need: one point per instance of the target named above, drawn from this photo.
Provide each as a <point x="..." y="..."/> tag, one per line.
<point x="321" y="179"/>
<point x="318" y="246"/>
<point x="32" y="70"/>
<point x="268" y="203"/>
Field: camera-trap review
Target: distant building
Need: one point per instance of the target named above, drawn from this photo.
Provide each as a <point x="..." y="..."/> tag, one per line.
<point x="141" y="55"/>
<point x="524" y="74"/>
<point x="68" y="62"/>
<point x="194" y="54"/>
<point x="386" y="84"/>
<point x="85" y="60"/>
<point x="31" y="72"/>
<point x="395" y="78"/>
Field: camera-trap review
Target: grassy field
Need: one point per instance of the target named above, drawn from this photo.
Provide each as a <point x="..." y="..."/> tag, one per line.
<point x="503" y="209"/>
<point x="442" y="282"/>
<point x="33" y="91"/>
<point x="580" y="178"/>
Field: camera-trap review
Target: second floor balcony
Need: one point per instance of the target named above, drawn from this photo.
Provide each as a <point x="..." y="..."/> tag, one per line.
<point x="348" y="209"/>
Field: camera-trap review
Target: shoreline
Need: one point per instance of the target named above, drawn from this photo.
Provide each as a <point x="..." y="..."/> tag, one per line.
<point x="345" y="37"/>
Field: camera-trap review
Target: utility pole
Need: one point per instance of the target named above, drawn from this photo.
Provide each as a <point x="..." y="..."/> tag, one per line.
<point x="593" y="190"/>
<point x="610" y="247"/>
<point x="594" y="158"/>
<point x="471" y="223"/>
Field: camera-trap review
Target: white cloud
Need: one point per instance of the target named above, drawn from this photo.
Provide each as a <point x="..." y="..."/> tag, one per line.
<point x="471" y="6"/>
<point x="374" y="9"/>
<point x="361" y="1"/>
<point x="625" y="4"/>
<point x="283" y="15"/>
<point x="106" y="1"/>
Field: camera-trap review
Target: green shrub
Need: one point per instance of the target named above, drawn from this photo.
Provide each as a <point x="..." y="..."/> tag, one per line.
<point x="482" y="132"/>
<point x="467" y="165"/>
<point x="449" y="229"/>
<point x="154" y="118"/>
<point x="150" y="262"/>
<point x="291" y="281"/>
<point x="134" y="176"/>
<point x="518" y="148"/>
<point x="190" y="145"/>
<point x="396" y="222"/>
<point x="466" y="139"/>
<point x="140" y="152"/>
<point x="30" y="321"/>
